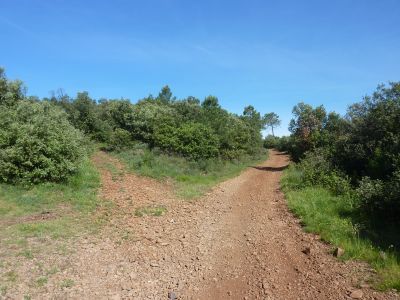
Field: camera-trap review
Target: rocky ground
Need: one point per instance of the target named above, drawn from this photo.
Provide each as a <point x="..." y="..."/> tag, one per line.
<point x="237" y="242"/>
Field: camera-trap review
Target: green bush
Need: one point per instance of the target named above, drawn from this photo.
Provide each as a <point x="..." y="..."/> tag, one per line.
<point x="280" y="143"/>
<point x="37" y="143"/>
<point x="148" y="116"/>
<point x="193" y="140"/>
<point x="271" y="142"/>
<point x="379" y="197"/>
<point x="317" y="170"/>
<point x="120" y="139"/>
<point x="336" y="220"/>
<point x="284" y="143"/>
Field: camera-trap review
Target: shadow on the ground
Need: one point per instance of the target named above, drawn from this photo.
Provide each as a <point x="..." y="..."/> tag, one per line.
<point x="270" y="169"/>
<point x="380" y="230"/>
<point x="282" y="153"/>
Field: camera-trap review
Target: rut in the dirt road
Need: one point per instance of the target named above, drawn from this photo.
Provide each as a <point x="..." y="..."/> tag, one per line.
<point x="237" y="242"/>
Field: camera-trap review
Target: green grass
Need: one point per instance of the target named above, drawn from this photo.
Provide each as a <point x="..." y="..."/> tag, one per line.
<point x="192" y="179"/>
<point x="67" y="283"/>
<point x="68" y="204"/>
<point x="41" y="281"/>
<point x="27" y="253"/>
<point x="40" y="220"/>
<point x="331" y="217"/>
<point x="79" y="193"/>
<point x="155" y="211"/>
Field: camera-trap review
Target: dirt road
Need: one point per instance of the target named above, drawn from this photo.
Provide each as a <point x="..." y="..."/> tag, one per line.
<point x="237" y="242"/>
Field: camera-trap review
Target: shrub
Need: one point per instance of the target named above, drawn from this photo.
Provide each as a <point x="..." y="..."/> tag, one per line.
<point x="37" y="143"/>
<point x="380" y="197"/>
<point x="271" y="141"/>
<point x="148" y="116"/>
<point x="120" y="139"/>
<point x="235" y="138"/>
<point x="193" y="140"/>
<point x="285" y="143"/>
<point x="280" y="143"/>
<point x="317" y="170"/>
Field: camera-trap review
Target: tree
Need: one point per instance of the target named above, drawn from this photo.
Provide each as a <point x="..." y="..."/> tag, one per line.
<point x="11" y="91"/>
<point x="210" y="102"/>
<point x="272" y="120"/>
<point x="165" y="95"/>
<point x="255" y="124"/>
<point x="373" y="144"/>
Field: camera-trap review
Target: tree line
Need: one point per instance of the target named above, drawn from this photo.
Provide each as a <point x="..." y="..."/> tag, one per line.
<point x="44" y="139"/>
<point x="357" y="154"/>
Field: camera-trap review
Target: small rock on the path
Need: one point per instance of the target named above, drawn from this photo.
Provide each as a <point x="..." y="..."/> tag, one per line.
<point x="338" y="252"/>
<point x="171" y="296"/>
<point x="356" y="294"/>
<point x="307" y="251"/>
<point x="265" y="284"/>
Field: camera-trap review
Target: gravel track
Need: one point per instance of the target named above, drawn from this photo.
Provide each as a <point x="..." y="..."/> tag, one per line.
<point x="237" y="242"/>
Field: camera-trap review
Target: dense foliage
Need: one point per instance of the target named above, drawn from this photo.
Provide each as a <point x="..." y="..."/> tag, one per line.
<point x="37" y="143"/>
<point x="357" y="154"/>
<point x="188" y="127"/>
<point x="41" y="139"/>
<point x="345" y="185"/>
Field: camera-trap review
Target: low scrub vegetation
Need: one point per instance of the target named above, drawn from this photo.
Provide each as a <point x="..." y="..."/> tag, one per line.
<point x="48" y="209"/>
<point x="337" y="219"/>
<point x="346" y="183"/>
<point x="42" y="140"/>
<point x="192" y="178"/>
<point x="188" y="128"/>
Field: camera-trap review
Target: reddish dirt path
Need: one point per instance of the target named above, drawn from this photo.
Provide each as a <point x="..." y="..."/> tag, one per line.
<point x="237" y="242"/>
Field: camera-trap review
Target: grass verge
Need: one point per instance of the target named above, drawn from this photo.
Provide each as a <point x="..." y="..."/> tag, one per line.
<point x="79" y="193"/>
<point x="192" y="179"/>
<point x="54" y="210"/>
<point x="331" y="217"/>
<point x="35" y="220"/>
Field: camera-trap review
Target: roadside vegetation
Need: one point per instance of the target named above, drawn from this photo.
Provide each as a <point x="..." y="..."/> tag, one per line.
<point x="49" y="185"/>
<point x="47" y="180"/>
<point x="191" y="178"/>
<point x="345" y="184"/>
<point x="39" y="220"/>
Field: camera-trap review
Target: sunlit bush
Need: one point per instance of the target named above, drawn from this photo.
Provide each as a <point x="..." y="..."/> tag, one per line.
<point x="37" y="143"/>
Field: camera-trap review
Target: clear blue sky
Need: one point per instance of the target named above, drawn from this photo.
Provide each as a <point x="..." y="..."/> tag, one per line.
<point x="271" y="54"/>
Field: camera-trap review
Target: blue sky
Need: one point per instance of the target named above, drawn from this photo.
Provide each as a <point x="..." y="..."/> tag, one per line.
<point x="271" y="54"/>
